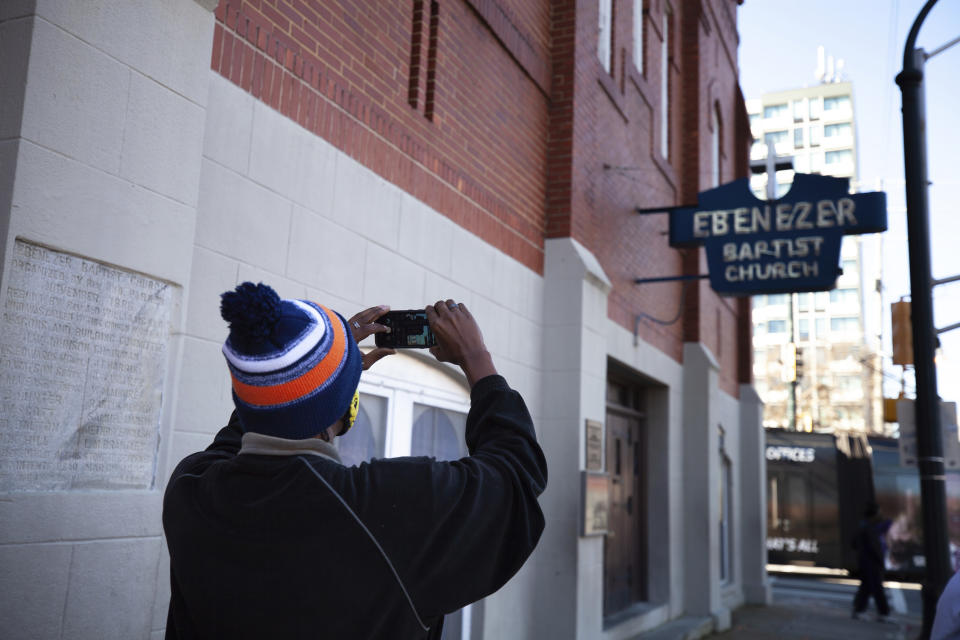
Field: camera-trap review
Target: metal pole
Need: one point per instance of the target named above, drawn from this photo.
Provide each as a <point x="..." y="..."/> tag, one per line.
<point x="771" y="171"/>
<point x="929" y="441"/>
<point x="792" y="398"/>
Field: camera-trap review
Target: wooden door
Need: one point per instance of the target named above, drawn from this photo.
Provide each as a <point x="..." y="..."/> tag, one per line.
<point x="625" y="573"/>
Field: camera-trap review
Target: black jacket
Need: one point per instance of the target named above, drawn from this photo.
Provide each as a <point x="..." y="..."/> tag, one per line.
<point x="299" y="546"/>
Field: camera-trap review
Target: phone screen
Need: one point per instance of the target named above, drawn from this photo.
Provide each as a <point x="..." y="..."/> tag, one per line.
<point x="408" y="330"/>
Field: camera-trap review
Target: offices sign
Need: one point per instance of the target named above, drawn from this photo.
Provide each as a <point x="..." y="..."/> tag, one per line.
<point x="781" y="246"/>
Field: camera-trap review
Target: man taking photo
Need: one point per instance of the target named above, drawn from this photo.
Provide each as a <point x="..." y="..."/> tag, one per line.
<point x="270" y="536"/>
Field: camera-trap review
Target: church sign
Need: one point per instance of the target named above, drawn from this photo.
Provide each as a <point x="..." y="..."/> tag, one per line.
<point x="780" y="246"/>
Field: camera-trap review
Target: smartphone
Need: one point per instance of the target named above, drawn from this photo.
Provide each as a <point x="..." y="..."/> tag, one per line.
<point x="408" y="330"/>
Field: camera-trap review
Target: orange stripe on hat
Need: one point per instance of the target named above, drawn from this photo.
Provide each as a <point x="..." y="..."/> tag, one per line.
<point x="301" y="386"/>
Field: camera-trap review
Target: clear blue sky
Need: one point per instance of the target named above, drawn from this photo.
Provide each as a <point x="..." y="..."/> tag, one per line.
<point x="778" y="50"/>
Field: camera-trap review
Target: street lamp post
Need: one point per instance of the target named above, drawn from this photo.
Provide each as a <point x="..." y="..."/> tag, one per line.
<point x="929" y="439"/>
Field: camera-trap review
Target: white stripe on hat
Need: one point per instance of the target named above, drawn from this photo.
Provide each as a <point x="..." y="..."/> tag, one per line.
<point x="297" y="351"/>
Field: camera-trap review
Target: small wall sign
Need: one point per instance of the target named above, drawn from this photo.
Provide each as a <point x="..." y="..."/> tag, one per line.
<point x="594" y="448"/>
<point x="594" y="503"/>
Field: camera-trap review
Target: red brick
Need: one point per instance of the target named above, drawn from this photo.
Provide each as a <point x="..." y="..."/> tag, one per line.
<point x="276" y="18"/>
<point x="236" y="61"/>
<point x="217" y="46"/>
<point x="246" y="80"/>
<point x="257" y="80"/>
<point x="227" y="56"/>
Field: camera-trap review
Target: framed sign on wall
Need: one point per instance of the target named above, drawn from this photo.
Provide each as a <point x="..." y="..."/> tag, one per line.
<point x="594" y="503"/>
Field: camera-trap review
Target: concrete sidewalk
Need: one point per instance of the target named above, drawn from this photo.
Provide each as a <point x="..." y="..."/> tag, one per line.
<point x="812" y="622"/>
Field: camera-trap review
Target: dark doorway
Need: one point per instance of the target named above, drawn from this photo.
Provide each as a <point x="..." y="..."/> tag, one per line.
<point x="625" y="547"/>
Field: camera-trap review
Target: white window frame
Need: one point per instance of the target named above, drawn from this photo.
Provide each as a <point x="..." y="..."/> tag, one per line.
<point x="605" y="33"/>
<point x="715" y="148"/>
<point x="725" y="534"/>
<point x="638" y="35"/>
<point x="799" y="110"/>
<point x="401" y="397"/>
<point x="665" y="85"/>
<point x="816" y="108"/>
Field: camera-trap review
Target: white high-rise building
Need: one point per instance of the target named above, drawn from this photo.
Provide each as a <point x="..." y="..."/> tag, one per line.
<point x="836" y="333"/>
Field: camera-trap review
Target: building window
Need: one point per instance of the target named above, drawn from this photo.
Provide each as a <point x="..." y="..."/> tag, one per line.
<point x="393" y="421"/>
<point x="814" y="108"/>
<point x="438" y="433"/>
<point x="836" y="130"/>
<point x="849" y="265"/>
<point x="638" y="35"/>
<point x="777" y="326"/>
<point x="798" y="137"/>
<point x="814" y="135"/>
<point x="804" y="328"/>
<point x="845" y="324"/>
<point x="754" y="119"/>
<point x="820" y="325"/>
<point x="726" y="496"/>
<point x="665" y="85"/>
<point x="799" y="111"/>
<point x="715" y="144"/>
<point x="776" y="137"/>
<point x="844" y="296"/>
<point x="803" y="301"/>
<point x="835" y="103"/>
<point x="775" y="110"/>
<point x="777" y="298"/>
<point x="605" y="35"/>
<point x="838" y="157"/>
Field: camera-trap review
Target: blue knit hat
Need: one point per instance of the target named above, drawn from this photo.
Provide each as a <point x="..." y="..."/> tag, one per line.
<point x="295" y="365"/>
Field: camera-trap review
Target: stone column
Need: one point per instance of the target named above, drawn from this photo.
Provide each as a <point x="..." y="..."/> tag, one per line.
<point x="753" y="496"/>
<point x="102" y="112"/>
<point x="569" y="569"/>
<point x="701" y="466"/>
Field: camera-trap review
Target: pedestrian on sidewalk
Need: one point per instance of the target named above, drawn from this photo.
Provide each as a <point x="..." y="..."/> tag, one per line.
<point x="946" y="624"/>
<point x="871" y="545"/>
<point x="271" y="536"/>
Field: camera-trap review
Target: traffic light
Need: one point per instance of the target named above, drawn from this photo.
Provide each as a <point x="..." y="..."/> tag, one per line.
<point x="902" y="333"/>
<point x="799" y="364"/>
<point x="788" y="362"/>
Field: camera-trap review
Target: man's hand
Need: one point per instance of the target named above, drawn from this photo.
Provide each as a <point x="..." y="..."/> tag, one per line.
<point x="459" y="340"/>
<point x="364" y="324"/>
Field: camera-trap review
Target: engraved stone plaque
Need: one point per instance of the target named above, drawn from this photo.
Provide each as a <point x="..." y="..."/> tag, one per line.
<point x="83" y="352"/>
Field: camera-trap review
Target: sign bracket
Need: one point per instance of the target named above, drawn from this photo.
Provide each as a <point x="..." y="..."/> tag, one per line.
<point x="645" y="211"/>
<point x="702" y="276"/>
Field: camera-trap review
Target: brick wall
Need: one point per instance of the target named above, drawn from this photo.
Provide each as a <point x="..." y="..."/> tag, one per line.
<point x="498" y="114"/>
<point x="709" y="36"/>
<point x="463" y="128"/>
<point x="606" y="141"/>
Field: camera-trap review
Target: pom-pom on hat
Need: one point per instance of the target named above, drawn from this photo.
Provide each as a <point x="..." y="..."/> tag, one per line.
<point x="295" y="365"/>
